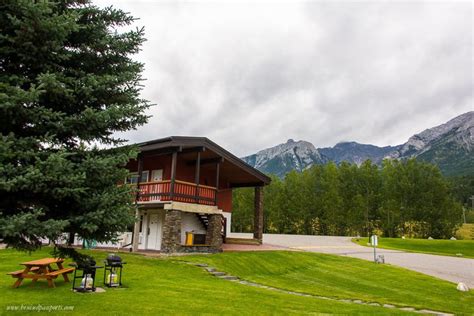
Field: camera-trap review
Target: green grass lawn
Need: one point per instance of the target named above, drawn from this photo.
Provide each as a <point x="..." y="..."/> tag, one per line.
<point x="343" y="277"/>
<point x="434" y="246"/>
<point x="163" y="286"/>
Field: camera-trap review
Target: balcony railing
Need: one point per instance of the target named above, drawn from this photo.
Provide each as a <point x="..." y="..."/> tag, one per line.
<point x="162" y="191"/>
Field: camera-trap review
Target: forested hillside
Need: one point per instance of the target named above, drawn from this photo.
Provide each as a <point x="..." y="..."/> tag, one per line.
<point x="401" y="198"/>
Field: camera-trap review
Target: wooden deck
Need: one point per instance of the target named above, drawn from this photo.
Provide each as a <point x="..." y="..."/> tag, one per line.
<point x="164" y="191"/>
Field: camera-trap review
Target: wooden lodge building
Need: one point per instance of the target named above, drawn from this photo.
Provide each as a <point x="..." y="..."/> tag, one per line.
<point x="184" y="196"/>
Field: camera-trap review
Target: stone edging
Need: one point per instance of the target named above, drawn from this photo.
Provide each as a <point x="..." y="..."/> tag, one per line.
<point x="223" y="275"/>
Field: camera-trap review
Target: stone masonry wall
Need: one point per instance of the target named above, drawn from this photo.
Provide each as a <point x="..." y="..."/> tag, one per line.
<point x="171" y="240"/>
<point x="214" y="232"/>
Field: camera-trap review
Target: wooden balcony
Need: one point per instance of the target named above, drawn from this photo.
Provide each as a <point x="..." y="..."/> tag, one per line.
<point x="179" y="191"/>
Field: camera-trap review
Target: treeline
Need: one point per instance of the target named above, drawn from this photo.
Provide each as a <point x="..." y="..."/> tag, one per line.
<point x="408" y="198"/>
<point x="463" y="191"/>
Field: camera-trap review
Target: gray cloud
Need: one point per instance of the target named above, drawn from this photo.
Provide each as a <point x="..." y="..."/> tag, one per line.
<point x="250" y="76"/>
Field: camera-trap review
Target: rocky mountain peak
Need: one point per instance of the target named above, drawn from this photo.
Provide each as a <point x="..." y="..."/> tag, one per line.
<point x="280" y="159"/>
<point x="462" y="126"/>
<point x="449" y="145"/>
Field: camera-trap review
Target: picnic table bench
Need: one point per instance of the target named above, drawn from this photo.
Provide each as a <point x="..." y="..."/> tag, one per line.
<point x="41" y="269"/>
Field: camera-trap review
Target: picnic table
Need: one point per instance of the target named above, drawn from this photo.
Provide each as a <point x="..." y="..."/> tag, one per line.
<point x="41" y="269"/>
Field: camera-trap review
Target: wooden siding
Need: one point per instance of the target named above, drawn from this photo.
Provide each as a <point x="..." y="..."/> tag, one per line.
<point x="185" y="187"/>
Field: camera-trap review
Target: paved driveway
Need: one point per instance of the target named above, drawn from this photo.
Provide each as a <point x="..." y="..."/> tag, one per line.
<point x="448" y="268"/>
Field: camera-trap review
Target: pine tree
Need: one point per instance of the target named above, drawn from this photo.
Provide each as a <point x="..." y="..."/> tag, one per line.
<point x="243" y="210"/>
<point x="67" y="85"/>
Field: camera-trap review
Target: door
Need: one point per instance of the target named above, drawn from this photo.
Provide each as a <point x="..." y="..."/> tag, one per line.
<point x="154" y="232"/>
<point x="157" y="175"/>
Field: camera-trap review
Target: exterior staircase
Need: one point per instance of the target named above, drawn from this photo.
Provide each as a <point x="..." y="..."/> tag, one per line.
<point x="204" y="219"/>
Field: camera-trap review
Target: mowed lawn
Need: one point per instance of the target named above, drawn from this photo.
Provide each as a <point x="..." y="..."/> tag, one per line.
<point x="433" y="246"/>
<point x="343" y="277"/>
<point x="164" y="286"/>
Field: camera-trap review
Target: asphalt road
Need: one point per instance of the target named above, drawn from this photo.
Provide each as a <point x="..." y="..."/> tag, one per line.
<point x="448" y="268"/>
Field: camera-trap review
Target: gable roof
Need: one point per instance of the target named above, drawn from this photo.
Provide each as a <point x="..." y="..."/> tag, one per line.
<point x="183" y="142"/>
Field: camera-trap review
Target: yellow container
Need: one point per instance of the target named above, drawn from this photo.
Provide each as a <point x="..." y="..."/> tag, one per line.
<point x="189" y="238"/>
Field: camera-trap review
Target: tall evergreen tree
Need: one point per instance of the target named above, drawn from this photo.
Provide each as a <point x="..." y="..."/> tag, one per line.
<point x="67" y="84"/>
<point x="243" y="200"/>
<point x="353" y="201"/>
<point x="274" y="206"/>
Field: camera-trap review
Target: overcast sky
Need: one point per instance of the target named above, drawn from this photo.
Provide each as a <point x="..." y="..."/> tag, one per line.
<point x="249" y="76"/>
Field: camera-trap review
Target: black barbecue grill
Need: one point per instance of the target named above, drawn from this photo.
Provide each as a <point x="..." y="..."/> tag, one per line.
<point x="88" y="268"/>
<point x="113" y="265"/>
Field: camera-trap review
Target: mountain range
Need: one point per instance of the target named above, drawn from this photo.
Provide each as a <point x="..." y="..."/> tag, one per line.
<point x="449" y="145"/>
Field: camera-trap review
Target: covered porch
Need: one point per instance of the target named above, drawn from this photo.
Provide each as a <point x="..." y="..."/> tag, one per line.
<point x="188" y="182"/>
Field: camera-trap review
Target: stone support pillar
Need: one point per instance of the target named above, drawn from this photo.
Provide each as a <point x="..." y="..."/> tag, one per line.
<point x="214" y="232"/>
<point x="171" y="240"/>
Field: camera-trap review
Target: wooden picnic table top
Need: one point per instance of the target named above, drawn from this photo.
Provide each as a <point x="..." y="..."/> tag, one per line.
<point x="43" y="262"/>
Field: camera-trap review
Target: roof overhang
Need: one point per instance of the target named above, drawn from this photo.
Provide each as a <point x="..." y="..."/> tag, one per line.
<point x="189" y="144"/>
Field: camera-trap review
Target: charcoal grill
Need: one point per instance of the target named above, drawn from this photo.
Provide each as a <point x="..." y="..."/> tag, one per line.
<point x="87" y="268"/>
<point x="114" y="266"/>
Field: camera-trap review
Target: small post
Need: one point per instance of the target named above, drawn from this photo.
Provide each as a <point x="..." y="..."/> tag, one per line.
<point x="218" y="165"/>
<point x="174" y="158"/>
<point x="197" y="176"/>
<point x="136" y="226"/>
<point x="374" y="241"/>
<point x="375" y="254"/>
<point x="140" y="172"/>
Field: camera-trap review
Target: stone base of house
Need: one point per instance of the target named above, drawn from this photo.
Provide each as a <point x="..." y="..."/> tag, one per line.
<point x="200" y="249"/>
<point x="171" y="238"/>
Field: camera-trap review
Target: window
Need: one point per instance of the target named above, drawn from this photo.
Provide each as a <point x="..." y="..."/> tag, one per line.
<point x="133" y="177"/>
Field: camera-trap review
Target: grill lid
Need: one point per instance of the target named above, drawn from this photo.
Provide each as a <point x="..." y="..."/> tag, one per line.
<point x="113" y="259"/>
<point x="86" y="264"/>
